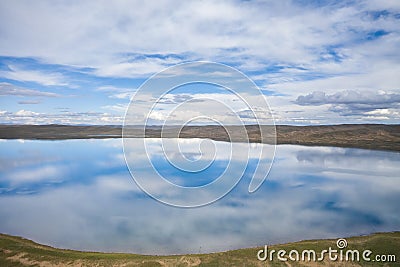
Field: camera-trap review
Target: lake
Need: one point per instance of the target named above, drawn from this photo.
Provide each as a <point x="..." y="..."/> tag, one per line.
<point x="79" y="194"/>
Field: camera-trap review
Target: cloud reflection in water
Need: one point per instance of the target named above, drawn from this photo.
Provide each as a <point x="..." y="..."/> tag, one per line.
<point x="78" y="194"/>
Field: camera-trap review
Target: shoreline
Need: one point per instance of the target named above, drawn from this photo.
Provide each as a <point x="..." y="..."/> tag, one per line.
<point x="16" y="250"/>
<point x="364" y="136"/>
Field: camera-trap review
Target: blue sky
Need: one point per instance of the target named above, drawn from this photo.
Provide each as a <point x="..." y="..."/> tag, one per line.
<point x="317" y="62"/>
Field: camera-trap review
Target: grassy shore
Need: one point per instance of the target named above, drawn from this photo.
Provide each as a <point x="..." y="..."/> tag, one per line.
<point x="17" y="251"/>
<point x="368" y="136"/>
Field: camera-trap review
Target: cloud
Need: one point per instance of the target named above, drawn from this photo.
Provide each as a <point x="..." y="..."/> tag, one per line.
<point x="380" y="104"/>
<point x="117" y="92"/>
<point x="121" y="108"/>
<point x="7" y="89"/>
<point x="40" y="77"/>
<point x="29" y="102"/>
<point x="50" y="173"/>
<point x="26" y="113"/>
<point x="198" y="108"/>
<point x="132" y="68"/>
<point x="177" y="98"/>
<point x="289" y="47"/>
<point x="126" y="41"/>
<point x="370" y="99"/>
<point x="65" y="117"/>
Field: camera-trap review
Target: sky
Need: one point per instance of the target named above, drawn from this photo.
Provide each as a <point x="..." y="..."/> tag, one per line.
<point x="315" y="62"/>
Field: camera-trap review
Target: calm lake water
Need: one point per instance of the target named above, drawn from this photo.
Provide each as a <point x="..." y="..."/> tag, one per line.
<point x="79" y="194"/>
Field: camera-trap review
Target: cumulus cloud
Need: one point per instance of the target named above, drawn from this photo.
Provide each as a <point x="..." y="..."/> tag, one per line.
<point x="289" y="47"/>
<point x="199" y="108"/>
<point x="31" y="117"/>
<point x="141" y="38"/>
<point x="26" y="113"/>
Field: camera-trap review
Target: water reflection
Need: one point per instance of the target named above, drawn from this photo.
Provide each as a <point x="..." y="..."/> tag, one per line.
<point x="78" y="194"/>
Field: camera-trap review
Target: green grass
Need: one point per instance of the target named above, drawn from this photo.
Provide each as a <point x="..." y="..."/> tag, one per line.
<point x="17" y="251"/>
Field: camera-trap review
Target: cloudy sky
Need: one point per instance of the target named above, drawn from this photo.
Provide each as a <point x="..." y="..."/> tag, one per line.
<point x="317" y="62"/>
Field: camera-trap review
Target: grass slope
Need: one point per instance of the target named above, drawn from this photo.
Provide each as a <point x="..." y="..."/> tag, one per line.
<point x="17" y="251"/>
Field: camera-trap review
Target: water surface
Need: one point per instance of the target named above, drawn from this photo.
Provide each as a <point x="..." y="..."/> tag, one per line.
<point x="78" y="194"/>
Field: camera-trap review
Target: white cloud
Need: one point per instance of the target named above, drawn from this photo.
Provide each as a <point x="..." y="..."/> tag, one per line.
<point x="120" y="108"/>
<point x="104" y="36"/>
<point x="143" y="67"/>
<point x="49" y="173"/>
<point x="10" y="89"/>
<point x="117" y="92"/>
<point x="43" y="78"/>
<point x="291" y="48"/>
<point x="199" y="108"/>
<point x="30" y="117"/>
<point x="26" y="113"/>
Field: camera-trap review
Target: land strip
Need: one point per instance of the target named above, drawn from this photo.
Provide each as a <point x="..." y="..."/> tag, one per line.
<point x="17" y="251"/>
<point x="368" y="136"/>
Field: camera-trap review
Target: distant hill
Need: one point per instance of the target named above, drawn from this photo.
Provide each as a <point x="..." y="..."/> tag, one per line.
<point x="369" y="136"/>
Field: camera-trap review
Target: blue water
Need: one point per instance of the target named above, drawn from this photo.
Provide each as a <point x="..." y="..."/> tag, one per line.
<point x="79" y="194"/>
